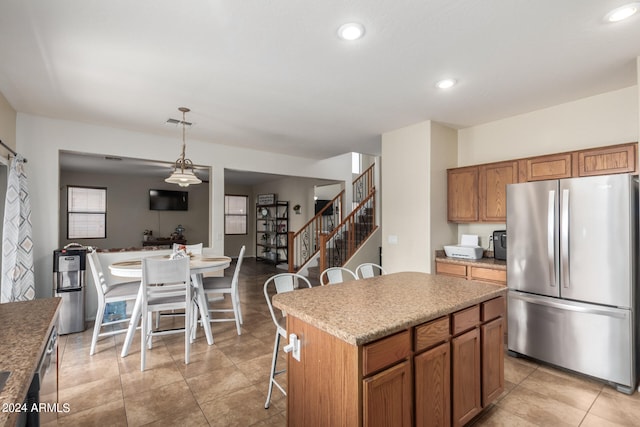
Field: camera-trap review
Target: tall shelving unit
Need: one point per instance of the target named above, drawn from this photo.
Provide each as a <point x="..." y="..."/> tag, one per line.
<point x="272" y="226"/>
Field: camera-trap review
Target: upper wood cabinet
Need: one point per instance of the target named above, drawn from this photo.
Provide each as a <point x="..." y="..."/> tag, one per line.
<point x="478" y="193"/>
<point x="462" y="194"/>
<point x="606" y="160"/>
<point x="493" y="180"/>
<point x="555" y="166"/>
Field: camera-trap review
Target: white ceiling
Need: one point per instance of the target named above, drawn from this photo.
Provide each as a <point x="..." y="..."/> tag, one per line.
<point x="272" y="75"/>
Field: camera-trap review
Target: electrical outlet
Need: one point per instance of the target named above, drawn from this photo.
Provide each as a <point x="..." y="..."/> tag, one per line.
<point x="491" y="238"/>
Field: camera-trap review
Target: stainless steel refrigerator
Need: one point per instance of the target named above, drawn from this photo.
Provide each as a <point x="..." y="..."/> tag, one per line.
<point x="571" y="272"/>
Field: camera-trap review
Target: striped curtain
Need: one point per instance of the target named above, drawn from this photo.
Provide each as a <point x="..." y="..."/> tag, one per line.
<point x="17" y="245"/>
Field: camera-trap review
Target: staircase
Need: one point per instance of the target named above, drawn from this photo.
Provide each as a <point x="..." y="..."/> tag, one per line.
<point x="324" y="243"/>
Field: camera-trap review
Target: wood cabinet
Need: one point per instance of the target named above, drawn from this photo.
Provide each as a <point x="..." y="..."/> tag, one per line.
<point x="433" y="387"/>
<point x="462" y="194"/>
<point x="478" y="193"/>
<point x="439" y="373"/>
<point x="387" y="397"/>
<point x="472" y="272"/>
<point x="492" y="336"/>
<point x="493" y="181"/>
<point x="465" y="378"/>
<point x="554" y="166"/>
<point x="607" y="160"/>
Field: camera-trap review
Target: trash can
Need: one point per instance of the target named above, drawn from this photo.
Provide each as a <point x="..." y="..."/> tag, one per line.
<point x="69" y="275"/>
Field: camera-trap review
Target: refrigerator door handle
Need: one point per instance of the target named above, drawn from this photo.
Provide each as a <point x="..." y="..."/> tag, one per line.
<point x="564" y="238"/>
<point x="551" y="225"/>
<point x="565" y="305"/>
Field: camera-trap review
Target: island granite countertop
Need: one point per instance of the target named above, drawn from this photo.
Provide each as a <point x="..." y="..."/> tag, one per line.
<point x="26" y="326"/>
<point x="362" y="311"/>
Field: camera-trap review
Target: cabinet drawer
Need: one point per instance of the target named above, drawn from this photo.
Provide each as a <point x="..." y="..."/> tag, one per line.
<point x="493" y="308"/>
<point x="458" y="270"/>
<point x="385" y="352"/>
<point x="489" y="274"/>
<point x="465" y="319"/>
<point x="431" y="333"/>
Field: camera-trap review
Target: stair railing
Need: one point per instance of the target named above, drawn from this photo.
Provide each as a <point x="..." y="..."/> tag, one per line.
<point x="304" y="243"/>
<point x="363" y="184"/>
<point x="355" y="229"/>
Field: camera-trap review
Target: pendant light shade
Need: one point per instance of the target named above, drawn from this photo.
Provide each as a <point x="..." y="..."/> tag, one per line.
<point x="183" y="173"/>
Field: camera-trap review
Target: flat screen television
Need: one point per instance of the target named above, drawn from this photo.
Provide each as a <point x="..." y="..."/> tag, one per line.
<point x="321" y="204"/>
<point x="168" y="200"/>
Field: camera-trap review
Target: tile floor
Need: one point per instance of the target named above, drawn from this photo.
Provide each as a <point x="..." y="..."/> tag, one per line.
<point x="226" y="383"/>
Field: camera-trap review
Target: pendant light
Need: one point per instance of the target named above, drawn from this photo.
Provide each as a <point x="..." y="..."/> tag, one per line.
<point x="183" y="173"/>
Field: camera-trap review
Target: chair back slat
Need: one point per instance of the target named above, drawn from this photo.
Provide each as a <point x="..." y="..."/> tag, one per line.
<point x="97" y="272"/>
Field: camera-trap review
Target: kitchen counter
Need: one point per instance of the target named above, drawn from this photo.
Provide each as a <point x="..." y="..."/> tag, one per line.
<point x="404" y="348"/>
<point x="25" y="327"/>
<point x="486" y="261"/>
<point x="362" y="311"/>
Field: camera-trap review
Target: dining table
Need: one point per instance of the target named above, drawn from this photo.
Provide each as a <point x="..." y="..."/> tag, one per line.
<point x="198" y="264"/>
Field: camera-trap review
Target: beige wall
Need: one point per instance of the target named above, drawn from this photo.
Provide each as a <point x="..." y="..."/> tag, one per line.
<point x="414" y="195"/>
<point x="606" y="119"/>
<point x="7" y="125"/>
<point x="444" y="153"/>
<point x="405" y="205"/>
<point x="128" y="213"/>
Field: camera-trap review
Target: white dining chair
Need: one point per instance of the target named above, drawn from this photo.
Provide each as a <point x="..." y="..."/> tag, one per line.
<point x="335" y="275"/>
<point x="284" y="282"/>
<point x="195" y="249"/>
<point x="221" y="286"/>
<point x="108" y="293"/>
<point x="369" y="269"/>
<point x="166" y="286"/>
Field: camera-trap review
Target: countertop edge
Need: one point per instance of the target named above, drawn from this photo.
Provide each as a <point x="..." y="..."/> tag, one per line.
<point x="17" y="386"/>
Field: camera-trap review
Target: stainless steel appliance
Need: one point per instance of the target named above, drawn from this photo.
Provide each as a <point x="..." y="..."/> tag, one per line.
<point x="69" y="274"/>
<point x="571" y="273"/>
<point x="41" y="402"/>
<point x="500" y="245"/>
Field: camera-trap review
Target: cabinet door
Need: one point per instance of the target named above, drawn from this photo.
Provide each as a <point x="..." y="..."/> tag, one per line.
<point x="493" y="179"/>
<point x="555" y="166"/>
<point x="432" y="387"/>
<point x="387" y="397"/>
<point x="465" y="380"/>
<point x="462" y="194"/>
<point x="492" y="360"/>
<point x="607" y="160"/>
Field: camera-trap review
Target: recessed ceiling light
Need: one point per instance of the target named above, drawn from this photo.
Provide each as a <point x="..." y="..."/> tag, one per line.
<point x="351" y="31"/>
<point x="445" y="83"/>
<point x="622" y="12"/>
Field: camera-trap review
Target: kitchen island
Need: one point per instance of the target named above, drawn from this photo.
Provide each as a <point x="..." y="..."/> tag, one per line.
<point x="25" y="328"/>
<point x="401" y="349"/>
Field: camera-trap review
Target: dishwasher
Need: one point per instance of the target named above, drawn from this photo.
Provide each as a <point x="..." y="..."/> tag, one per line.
<point x="42" y="398"/>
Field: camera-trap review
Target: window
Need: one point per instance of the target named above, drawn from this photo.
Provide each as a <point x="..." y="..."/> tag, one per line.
<point x="235" y="214"/>
<point x="86" y="213"/>
<point x="356" y="163"/>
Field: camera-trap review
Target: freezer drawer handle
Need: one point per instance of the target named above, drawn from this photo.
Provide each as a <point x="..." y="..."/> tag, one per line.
<point x="612" y="312"/>
<point x="551" y="224"/>
<point x="564" y="238"/>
